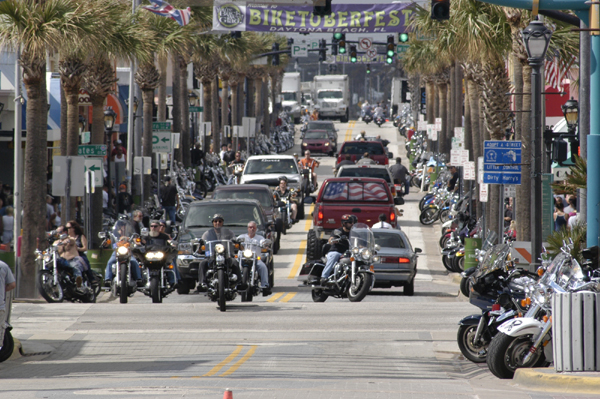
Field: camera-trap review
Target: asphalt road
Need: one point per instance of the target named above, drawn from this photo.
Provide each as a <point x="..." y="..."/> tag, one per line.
<point x="282" y="346"/>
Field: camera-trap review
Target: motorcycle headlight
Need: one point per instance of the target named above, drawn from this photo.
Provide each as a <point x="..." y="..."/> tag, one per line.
<point x="219" y="248"/>
<point x="376" y="259"/>
<point x="355" y="250"/>
<point x="366" y="254"/>
<point x="247" y="253"/>
<point x="155" y="255"/>
<point x="123" y="251"/>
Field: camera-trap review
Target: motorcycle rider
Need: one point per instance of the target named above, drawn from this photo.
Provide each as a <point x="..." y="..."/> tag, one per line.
<point x="361" y="136"/>
<point x="339" y="245"/>
<point x="365" y="109"/>
<point x="218" y="233"/>
<point x="366" y="160"/>
<point x="310" y="163"/>
<point x="378" y="112"/>
<point x="123" y="229"/>
<point x="282" y="191"/>
<point x="70" y="259"/>
<point x="251" y="241"/>
<point x="399" y="173"/>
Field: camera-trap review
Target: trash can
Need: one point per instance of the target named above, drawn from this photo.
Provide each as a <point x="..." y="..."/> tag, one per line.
<point x="471" y="244"/>
<point x="9" y="259"/>
<point x="99" y="258"/>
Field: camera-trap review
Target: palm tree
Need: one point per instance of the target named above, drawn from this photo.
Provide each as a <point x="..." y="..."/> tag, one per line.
<point x="37" y="27"/>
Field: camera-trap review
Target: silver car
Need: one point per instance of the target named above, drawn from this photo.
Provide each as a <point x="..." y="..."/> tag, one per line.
<point x="398" y="260"/>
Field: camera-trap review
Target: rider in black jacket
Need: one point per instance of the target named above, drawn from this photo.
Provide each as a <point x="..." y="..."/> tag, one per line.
<point x="339" y="245"/>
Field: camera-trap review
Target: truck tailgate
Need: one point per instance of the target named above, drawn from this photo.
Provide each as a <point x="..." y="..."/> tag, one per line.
<point x="366" y="213"/>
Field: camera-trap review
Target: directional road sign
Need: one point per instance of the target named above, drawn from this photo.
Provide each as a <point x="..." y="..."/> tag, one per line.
<point x="196" y="109"/>
<point x="502" y="162"/>
<point x="161" y="125"/>
<point x="92" y="150"/>
<point x="161" y="141"/>
<point x="95" y="165"/>
<point x="401" y="49"/>
<point x="300" y="50"/>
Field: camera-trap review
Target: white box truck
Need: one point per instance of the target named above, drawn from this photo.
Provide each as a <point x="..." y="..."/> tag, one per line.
<point x="291" y="95"/>
<point x="331" y="94"/>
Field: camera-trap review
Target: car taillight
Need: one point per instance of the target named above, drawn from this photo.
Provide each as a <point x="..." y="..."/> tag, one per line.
<point x="403" y="260"/>
<point x="495" y="307"/>
<point x="386" y="161"/>
<point x="320" y="215"/>
<point x="392" y="216"/>
<point x="393" y="188"/>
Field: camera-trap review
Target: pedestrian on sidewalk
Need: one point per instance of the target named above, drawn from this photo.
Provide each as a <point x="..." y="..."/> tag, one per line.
<point x="7" y="283"/>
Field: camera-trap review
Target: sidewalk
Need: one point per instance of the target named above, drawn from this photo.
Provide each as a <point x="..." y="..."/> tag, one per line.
<point x="549" y="380"/>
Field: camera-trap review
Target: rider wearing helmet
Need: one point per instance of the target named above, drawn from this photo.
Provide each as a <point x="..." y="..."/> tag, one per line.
<point x="339" y="245"/>
<point x="217" y="233"/>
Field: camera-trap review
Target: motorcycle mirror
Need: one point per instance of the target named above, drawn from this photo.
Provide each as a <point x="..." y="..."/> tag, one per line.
<point x="195" y="241"/>
<point x="144" y="232"/>
<point x="241" y="240"/>
<point x="265" y="243"/>
<point x="101" y="235"/>
<point x="377" y="247"/>
<point x="62" y="236"/>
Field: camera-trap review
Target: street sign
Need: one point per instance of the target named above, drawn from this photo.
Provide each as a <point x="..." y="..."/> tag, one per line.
<point x="196" y="109"/>
<point x="459" y="133"/>
<point x="401" y="49"/>
<point x="161" y="125"/>
<point x="371" y="53"/>
<point x="469" y="170"/>
<point x="206" y="128"/>
<point x="560" y="173"/>
<point x="365" y="43"/>
<point x="480" y="170"/>
<point x="85" y="137"/>
<point x="161" y="141"/>
<point x="60" y="173"/>
<point x="502" y="162"/>
<point x="142" y="164"/>
<point x="438" y="124"/>
<point x="300" y="50"/>
<point x="422" y="126"/>
<point x="459" y="158"/>
<point x="92" y="150"/>
<point x="510" y="191"/>
<point x="483" y="193"/>
<point x="95" y="165"/>
<point x="175" y="140"/>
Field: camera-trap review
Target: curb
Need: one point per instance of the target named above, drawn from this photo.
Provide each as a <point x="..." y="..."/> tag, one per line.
<point x="16" y="351"/>
<point x="548" y="380"/>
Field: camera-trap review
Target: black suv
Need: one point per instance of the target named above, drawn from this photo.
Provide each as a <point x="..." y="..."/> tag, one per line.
<point x="262" y="194"/>
<point x="198" y="219"/>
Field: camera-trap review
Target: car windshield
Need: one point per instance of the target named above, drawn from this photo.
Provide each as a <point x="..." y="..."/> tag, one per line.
<point x="355" y="191"/>
<point x="361" y="236"/>
<point x="263" y="196"/>
<point x="316" y="135"/>
<point x="388" y="240"/>
<point x="321" y="126"/>
<point x="361" y="148"/>
<point x="380" y="173"/>
<point x="289" y="96"/>
<point x="234" y="215"/>
<point x="330" y="94"/>
<point x="271" y="165"/>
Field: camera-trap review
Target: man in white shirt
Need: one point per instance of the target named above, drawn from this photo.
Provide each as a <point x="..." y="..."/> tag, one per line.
<point x="252" y="242"/>
<point x="382" y="224"/>
<point x="7" y="283"/>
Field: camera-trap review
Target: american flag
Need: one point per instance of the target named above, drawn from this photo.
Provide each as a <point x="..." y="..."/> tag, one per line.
<point x="375" y="192"/>
<point x="164" y="9"/>
<point x="354" y="191"/>
<point x="336" y="191"/>
<point x="555" y="70"/>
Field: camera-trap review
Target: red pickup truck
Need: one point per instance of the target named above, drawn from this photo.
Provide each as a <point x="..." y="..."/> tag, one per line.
<point x="356" y="150"/>
<point x="365" y="198"/>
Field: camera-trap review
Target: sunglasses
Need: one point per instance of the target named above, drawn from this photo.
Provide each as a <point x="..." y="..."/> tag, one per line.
<point x="154" y="226"/>
<point x="217" y="221"/>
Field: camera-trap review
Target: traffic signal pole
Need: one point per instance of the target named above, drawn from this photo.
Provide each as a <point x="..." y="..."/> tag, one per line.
<point x="590" y="14"/>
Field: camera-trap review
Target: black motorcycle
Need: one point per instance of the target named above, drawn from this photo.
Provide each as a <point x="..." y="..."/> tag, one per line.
<point x="379" y="120"/>
<point x="248" y="258"/>
<point x="353" y="275"/>
<point x="220" y="278"/>
<point x="156" y="257"/>
<point x="367" y="118"/>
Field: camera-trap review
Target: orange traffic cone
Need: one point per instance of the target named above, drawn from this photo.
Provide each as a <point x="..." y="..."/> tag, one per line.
<point x="228" y="394"/>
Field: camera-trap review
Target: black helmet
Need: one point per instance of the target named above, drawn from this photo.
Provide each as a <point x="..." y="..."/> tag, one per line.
<point x="218" y="216"/>
<point x="347" y="218"/>
<point x="282" y="178"/>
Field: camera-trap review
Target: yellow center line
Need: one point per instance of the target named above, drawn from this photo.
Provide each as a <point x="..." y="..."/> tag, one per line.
<point x="228" y="359"/>
<point x="298" y="261"/>
<point x="275" y="297"/>
<point x="240" y="362"/>
<point x="288" y="297"/>
<point x="308" y="223"/>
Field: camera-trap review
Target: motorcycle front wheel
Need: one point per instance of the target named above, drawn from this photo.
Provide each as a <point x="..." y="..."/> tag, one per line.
<point x="428" y="216"/>
<point x="50" y="292"/>
<point x="464" y="286"/>
<point x="506" y="353"/>
<point x="124" y="286"/>
<point x="358" y="291"/>
<point x="155" y="292"/>
<point x="445" y="215"/>
<point x="222" y="301"/>
<point x="469" y="349"/>
<point x="246" y="295"/>
<point x="8" y="346"/>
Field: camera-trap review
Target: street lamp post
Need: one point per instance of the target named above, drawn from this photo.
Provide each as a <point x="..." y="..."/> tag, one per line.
<point x="193" y="101"/>
<point x="536" y="38"/>
<point x="109" y="123"/>
<point x="570" y="110"/>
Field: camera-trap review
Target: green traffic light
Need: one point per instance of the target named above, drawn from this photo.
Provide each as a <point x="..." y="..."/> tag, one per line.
<point x="403" y="37"/>
<point x="389" y="60"/>
<point x="352" y="59"/>
<point x="337" y="36"/>
<point x="390" y="53"/>
<point x="368" y="71"/>
<point x="342" y="50"/>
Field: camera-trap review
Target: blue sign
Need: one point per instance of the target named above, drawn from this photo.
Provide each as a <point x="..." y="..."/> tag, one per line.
<point x="502" y="162"/>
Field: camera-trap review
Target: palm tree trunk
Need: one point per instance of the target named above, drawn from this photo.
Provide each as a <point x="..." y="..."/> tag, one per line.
<point x="97" y="137"/>
<point x="64" y="122"/>
<point x="468" y="131"/>
<point x="522" y="207"/>
<point x="473" y="94"/>
<point x="184" y="106"/>
<point x="235" y="102"/>
<point x="34" y="190"/>
<point x="216" y="136"/>
<point x="266" y="116"/>
<point x="518" y="99"/>
<point x="161" y="114"/>
<point x="251" y="97"/>
<point x="458" y="96"/>
<point x="258" y="88"/>
<point x="147" y="99"/>
<point x="72" y="94"/>
<point x="450" y="102"/>
<point x="224" y="108"/>
<point x="176" y="101"/>
<point x="443" y="112"/>
<point x="207" y="113"/>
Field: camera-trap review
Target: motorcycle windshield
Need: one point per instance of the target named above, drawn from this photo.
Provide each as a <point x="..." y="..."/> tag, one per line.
<point x="361" y="236"/>
<point x="563" y="271"/>
<point x="493" y="260"/>
<point x="121" y="228"/>
<point x="213" y="246"/>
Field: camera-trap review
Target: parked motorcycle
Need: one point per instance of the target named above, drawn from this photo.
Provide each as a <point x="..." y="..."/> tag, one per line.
<point x="353" y="275"/>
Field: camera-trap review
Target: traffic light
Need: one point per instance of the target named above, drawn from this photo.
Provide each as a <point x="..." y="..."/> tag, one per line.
<point x="353" y="56"/>
<point x="404" y="92"/>
<point x="275" y="58"/>
<point x="403" y="37"/>
<point x="342" y="42"/>
<point x="391" y="50"/>
<point x="290" y="42"/>
<point x="334" y="49"/>
<point x="440" y="10"/>
<point x="322" y="50"/>
<point x="338" y="36"/>
<point x="236" y="35"/>
<point x="323" y="11"/>
<point x="368" y="68"/>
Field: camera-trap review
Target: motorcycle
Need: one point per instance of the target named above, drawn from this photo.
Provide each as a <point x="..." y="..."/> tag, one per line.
<point x="56" y="283"/>
<point x="285" y="208"/>
<point x="367" y="118"/>
<point x="248" y="259"/>
<point x="221" y="280"/>
<point x="156" y="257"/>
<point x="353" y="275"/>
<point x="379" y="120"/>
<point x="527" y="341"/>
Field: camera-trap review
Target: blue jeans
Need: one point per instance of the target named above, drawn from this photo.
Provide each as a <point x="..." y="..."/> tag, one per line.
<point x="263" y="272"/>
<point x="171" y="212"/>
<point x="134" y="266"/>
<point x="332" y="258"/>
<point x="77" y="267"/>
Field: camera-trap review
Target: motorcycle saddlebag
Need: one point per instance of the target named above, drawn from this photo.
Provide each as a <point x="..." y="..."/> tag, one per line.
<point x="311" y="271"/>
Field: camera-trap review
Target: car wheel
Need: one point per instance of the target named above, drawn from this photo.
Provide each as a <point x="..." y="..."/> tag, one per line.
<point x="409" y="289"/>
